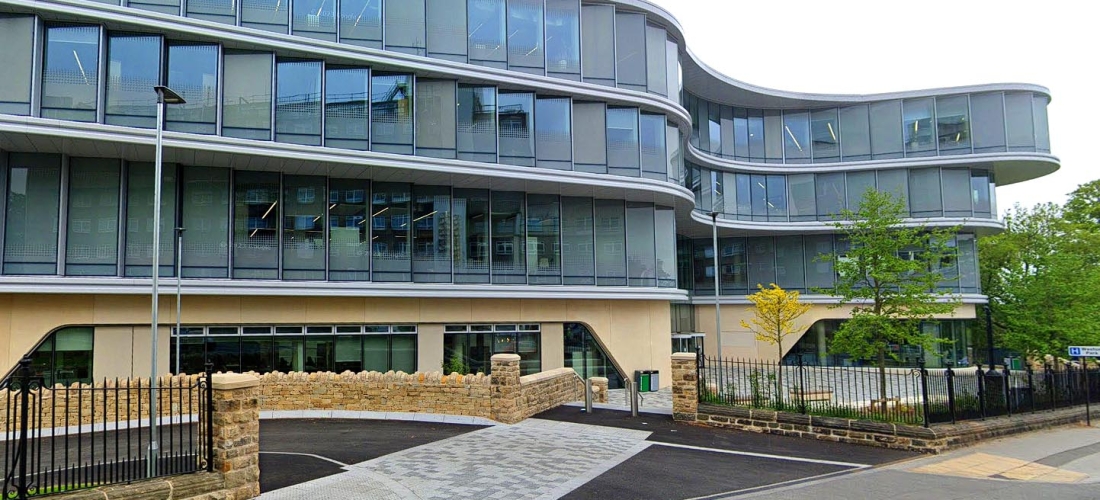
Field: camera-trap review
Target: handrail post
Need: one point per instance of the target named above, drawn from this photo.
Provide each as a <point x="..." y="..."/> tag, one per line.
<point x="1008" y="390"/>
<point x="588" y="396"/>
<point x="981" y="391"/>
<point x="632" y="393"/>
<point x="24" y="425"/>
<point x="924" y="391"/>
<point x="209" y="417"/>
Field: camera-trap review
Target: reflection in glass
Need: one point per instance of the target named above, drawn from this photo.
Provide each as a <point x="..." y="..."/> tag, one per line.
<point x="578" y="260"/>
<point x="777" y="198"/>
<point x="133" y="68"/>
<point x="789" y="263"/>
<point x="641" y="248"/>
<point x="796" y="136"/>
<point x="979" y="192"/>
<point x="656" y="74"/>
<point x="517" y="139"/>
<point x="756" y="135"/>
<point x="298" y="102"/>
<point x="585" y="356"/>
<point x="831" y="196"/>
<point x="553" y="129"/>
<point x="761" y="261"/>
<point x="347" y="108"/>
<point x="221" y="11"/>
<point x="31" y="218"/>
<point x="139" y="220"/>
<point x="471" y="236"/>
<point x="405" y="26"/>
<point x="774" y="135"/>
<point x="952" y="124"/>
<point x="476" y="116"/>
<point x="361" y="22"/>
<point x="824" y="131"/>
<point x="91" y="244"/>
<point x="652" y="137"/>
<point x="610" y="243"/>
<point x="205" y="209"/>
<point x="193" y="74"/>
<point x="270" y="15"/>
<point x="819" y="271"/>
<point x="525" y="22"/>
<point x="563" y="39"/>
<point x="70" y="73"/>
<point x="857" y="185"/>
<point x="630" y="46"/>
<point x="431" y="234"/>
<point x="348" y="232"/>
<point x="390" y="229"/>
<point x="304" y="227"/>
<point x="486" y="33"/>
<point x="246" y="111"/>
<point x="543" y="240"/>
<point x="508" y="242"/>
<point x="664" y="224"/>
<point x="1042" y="133"/>
<point x="256" y="225"/>
<point x="257" y="353"/>
<point x="917" y="125"/>
<point x="802" y="201"/>
<point x="622" y="141"/>
<point x="391" y="114"/>
<point x="315" y="19"/>
<point x="759" y="193"/>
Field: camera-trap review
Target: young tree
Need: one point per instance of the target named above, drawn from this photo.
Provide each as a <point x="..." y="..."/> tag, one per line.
<point x="891" y="272"/>
<point x="774" y="319"/>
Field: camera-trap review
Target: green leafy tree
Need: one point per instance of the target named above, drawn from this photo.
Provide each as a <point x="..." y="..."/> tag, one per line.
<point x="457" y="364"/>
<point x="891" y="273"/>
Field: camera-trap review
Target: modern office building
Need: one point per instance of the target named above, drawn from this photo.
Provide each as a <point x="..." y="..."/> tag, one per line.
<point x="390" y="184"/>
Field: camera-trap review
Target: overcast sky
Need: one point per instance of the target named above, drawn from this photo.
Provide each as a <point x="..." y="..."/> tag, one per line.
<point x="859" y="47"/>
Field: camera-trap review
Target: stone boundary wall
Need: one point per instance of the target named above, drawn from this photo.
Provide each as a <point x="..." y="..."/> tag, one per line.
<point x="935" y="439"/>
<point x="549" y="389"/>
<point x="373" y="391"/>
<point x="126" y="400"/>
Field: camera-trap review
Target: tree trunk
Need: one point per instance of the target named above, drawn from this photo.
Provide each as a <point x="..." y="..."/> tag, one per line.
<point x="779" y="378"/>
<point x="882" y="376"/>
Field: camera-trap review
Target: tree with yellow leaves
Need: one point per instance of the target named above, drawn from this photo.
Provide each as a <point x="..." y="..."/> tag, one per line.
<point x="775" y="315"/>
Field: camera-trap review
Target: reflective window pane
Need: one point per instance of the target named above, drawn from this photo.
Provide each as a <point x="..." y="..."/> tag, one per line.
<point x="193" y="74"/>
<point x="347" y="108"/>
<point x="733" y="265"/>
<point x="672" y="69"/>
<point x="652" y="136"/>
<point x="825" y="132"/>
<point x="391" y="121"/>
<point x="895" y="182"/>
<point x="298" y="102"/>
<point x="598" y="48"/>
<point x="486" y="28"/>
<point x="857" y="185"/>
<point x="256" y="225"/>
<point x="759" y="197"/>
<point x="390" y="229"/>
<point x="761" y="262"/>
<point x="774" y="135"/>
<point x="133" y="69"/>
<point x="855" y="133"/>
<point x="269" y="15"/>
<point x="31" y="216"/>
<point x="630" y="55"/>
<point x="70" y="73"/>
<point x="246" y="105"/>
<point x="656" y="73"/>
<point x="777" y="198"/>
<point x="508" y="233"/>
<point x="205" y="209"/>
<point x="563" y="39"/>
<point x="886" y="140"/>
<point x="796" y="136"/>
<point x="664" y="224"/>
<point x="303" y="210"/>
<point x="1042" y="133"/>
<point x="139" y="219"/>
<point x="714" y="129"/>
<point x="610" y="243"/>
<point x="740" y="134"/>
<point x="431" y="234"/>
<point x="830" y="195"/>
<point x="1020" y="121"/>
<point x="641" y="250"/>
<point x="956" y="192"/>
<point x="578" y="260"/>
<point x="361" y="22"/>
<point x="790" y="263"/>
<point x="525" y="22"/>
<point x="622" y="142"/>
<point x="446" y="29"/>
<point x="819" y="269"/>
<point x="924" y="193"/>
<point x="220" y="11"/>
<point x="476" y="115"/>
<point x="590" y="132"/>
<point x="515" y="112"/>
<point x="543" y="240"/>
<point x="471" y="236"/>
<point x="953" y="124"/>
<point x="405" y="27"/>
<point x="756" y="135"/>
<point x="989" y="133"/>
<point x="18" y="39"/>
<point x="979" y="192"/>
<point x="553" y="128"/>
<point x="675" y="157"/>
<point x="171" y="7"/>
<point x="802" y="201"/>
<point x="918" y="127"/>
<point x="348" y="230"/>
<point x="91" y="244"/>
<point x="257" y="353"/>
<point x="435" y="118"/>
<point x="315" y="19"/>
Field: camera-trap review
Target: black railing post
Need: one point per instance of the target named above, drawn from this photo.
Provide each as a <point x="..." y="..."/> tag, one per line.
<point x="981" y="391"/>
<point x="950" y="375"/>
<point x="924" y="391"/>
<point x="1008" y="390"/>
<point x="1052" y="387"/>
<point x="209" y="417"/>
<point x="1088" y="393"/>
<point x="1031" y="386"/>
<point x="699" y="374"/>
<point x="801" y="385"/>
<point x="24" y="379"/>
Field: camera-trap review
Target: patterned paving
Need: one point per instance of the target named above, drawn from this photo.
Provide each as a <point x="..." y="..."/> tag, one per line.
<point x="986" y="466"/>
<point x="535" y="459"/>
<point x="660" y="400"/>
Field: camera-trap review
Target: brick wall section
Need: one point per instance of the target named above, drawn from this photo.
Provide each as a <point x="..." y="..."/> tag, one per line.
<point x="599" y="389"/>
<point x="62" y="407"/>
<point x="372" y="391"/>
<point x="237" y="433"/>
<point x="549" y="389"/>
<point x="685" y="387"/>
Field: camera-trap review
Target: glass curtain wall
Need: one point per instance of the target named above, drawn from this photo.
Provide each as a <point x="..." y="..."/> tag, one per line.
<point x="432" y="226"/>
<point x="91" y="243"/>
<point x="577" y="236"/>
<point x="303" y="210"/>
<point x="70" y="73"/>
<point x="590" y="135"/>
<point x="544" y="240"/>
<point x="476" y="116"/>
<point x="315" y="19"/>
<point x="391" y="114"/>
<point x="435" y="119"/>
<point x="446" y="29"/>
<point x="630" y="45"/>
<point x="268" y="15"/>
<point x="32" y="214"/>
<point x="347" y="108"/>
<point x="139" y="219"/>
<point x="404" y="31"/>
<point x="525" y="38"/>
<point x="588" y="358"/>
<point x="246" y="103"/>
<point x="361" y="23"/>
<point x="622" y="142"/>
<point x="508" y="238"/>
<point x="610" y="219"/>
<point x="553" y="133"/>
<point x="598" y="47"/>
<point x="256" y="225"/>
<point x="348" y="232"/>
<point x="952" y="124"/>
<point x="205" y="214"/>
<point x="390" y="208"/>
<point x="515" y="112"/>
<point x="17" y="34"/>
<point x="133" y="68"/>
<point x="486" y="33"/>
<point x="219" y="11"/>
<point x="193" y="74"/>
<point x="471" y="235"/>
<point x="298" y="102"/>
<point x="563" y="39"/>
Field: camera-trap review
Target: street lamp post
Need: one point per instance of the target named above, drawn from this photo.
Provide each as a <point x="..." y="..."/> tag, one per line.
<point x="717" y="284"/>
<point x="165" y="96"/>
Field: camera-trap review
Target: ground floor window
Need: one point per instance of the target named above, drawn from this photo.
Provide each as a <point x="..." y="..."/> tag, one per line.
<point x="587" y="357"/>
<point x="65" y="356"/>
<point x="957" y="350"/>
<point x="687" y="342"/>
<point x="468" y="348"/>
<point x="294" y="348"/>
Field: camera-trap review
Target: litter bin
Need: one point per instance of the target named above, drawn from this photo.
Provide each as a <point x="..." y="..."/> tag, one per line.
<point x="654" y="380"/>
<point x="641" y="378"/>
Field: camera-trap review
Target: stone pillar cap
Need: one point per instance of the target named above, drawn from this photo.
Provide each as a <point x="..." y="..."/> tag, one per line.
<point x="229" y="381"/>
<point x="505" y="357"/>
<point x="598" y="379"/>
<point x="683" y="356"/>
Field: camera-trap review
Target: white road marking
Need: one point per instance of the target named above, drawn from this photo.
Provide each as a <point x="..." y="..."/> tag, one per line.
<point x="765" y="455"/>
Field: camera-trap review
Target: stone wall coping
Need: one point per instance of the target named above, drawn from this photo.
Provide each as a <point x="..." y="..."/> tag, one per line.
<point x="683" y="356"/>
<point x="444" y="418"/>
<point x="598" y="380"/>
<point x="230" y="381"/>
<point x="546" y="375"/>
<point x="505" y="357"/>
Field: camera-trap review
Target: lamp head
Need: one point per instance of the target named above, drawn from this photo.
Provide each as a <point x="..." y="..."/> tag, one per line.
<point x="168" y="96"/>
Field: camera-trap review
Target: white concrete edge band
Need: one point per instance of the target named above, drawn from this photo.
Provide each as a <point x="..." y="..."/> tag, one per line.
<point x="765" y="455"/>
